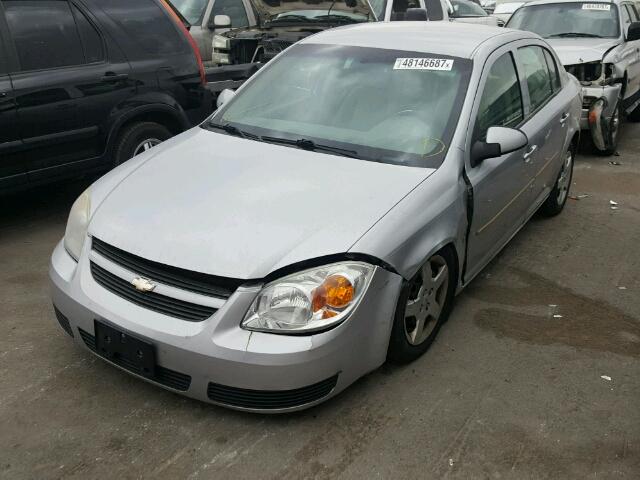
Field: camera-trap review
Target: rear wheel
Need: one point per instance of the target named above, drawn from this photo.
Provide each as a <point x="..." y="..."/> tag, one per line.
<point x="137" y="138"/>
<point x="554" y="204"/>
<point x="424" y="305"/>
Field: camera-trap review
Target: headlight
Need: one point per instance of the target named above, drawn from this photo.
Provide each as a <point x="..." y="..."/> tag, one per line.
<point x="77" y="225"/>
<point x="220" y="42"/>
<point x="309" y="301"/>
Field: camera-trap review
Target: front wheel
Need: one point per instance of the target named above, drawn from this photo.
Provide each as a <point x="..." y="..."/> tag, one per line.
<point x="610" y="133"/>
<point x="554" y="204"/>
<point x="424" y="305"/>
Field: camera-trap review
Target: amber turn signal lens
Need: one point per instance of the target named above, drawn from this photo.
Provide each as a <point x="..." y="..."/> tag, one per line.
<point x="335" y="292"/>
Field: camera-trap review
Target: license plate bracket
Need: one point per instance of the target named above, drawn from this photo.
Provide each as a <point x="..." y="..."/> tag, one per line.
<point x="126" y="350"/>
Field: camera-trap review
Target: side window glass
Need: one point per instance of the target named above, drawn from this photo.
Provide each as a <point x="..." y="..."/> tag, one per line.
<point x="400" y="7"/>
<point x="501" y="101"/>
<point x="91" y="40"/>
<point x="536" y="74"/>
<point x="626" y="17"/>
<point x="44" y="33"/>
<point x="634" y="13"/>
<point x="234" y="9"/>
<point x="553" y="70"/>
<point x="147" y="24"/>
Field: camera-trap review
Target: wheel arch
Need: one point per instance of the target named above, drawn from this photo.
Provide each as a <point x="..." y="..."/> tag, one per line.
<point x="164" y="115"/>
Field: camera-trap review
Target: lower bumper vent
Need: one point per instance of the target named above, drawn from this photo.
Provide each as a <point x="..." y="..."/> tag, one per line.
<point x="270" y="399"/>
<point x="164" y="376"/>
<point x="63" y="321"/>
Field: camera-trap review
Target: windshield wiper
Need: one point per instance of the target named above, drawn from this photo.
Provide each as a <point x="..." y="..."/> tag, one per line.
<point x="290" y="18"/>
<point x="306" y="144"/>
<point x="334" y="17"/>
<point x="231" y="130"/>
<point x="574" y="34"/>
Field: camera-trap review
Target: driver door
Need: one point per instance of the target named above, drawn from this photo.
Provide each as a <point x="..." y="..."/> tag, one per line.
<point x="501" y="185"/>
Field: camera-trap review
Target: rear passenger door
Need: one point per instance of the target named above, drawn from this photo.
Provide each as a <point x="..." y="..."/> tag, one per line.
<point x="12" y="166"/>
<point x="65" y="87"/>
<point x="501" y="184"/>
<point x="545" y="120"/>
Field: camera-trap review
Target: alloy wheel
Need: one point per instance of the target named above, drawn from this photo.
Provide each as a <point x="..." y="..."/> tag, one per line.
<point x="146" y="145"/>
<point x="427" y="296"/>
<point x="564" y="180"/>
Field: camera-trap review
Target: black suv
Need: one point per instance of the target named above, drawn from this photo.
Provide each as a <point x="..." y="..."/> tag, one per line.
<point x="88" y="84"/>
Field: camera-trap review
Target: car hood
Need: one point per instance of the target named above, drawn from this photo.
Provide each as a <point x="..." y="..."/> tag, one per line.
<point x="238" y="208"/>
<point x="269" y="9"/>
<point x="572" y="51"/>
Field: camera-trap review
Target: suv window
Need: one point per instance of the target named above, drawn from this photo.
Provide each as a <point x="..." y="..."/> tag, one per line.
<point x="44" y="33"/>
<point x="147" y="24"/>
<point x="553" y="70"/>
<point x="465" y="8"/>
<point x="234" y="9"/>
<point x="91" y="40"/>
<point x="501" y="102"/>
<point x="626" y="14"/>
<point x="537" y="75"/>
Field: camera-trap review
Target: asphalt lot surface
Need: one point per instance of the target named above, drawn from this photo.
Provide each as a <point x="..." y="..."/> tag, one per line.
<point x="512" y="388"/>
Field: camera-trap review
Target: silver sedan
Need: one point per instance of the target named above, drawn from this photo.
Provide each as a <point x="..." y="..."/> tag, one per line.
<point x="324" y="218"/>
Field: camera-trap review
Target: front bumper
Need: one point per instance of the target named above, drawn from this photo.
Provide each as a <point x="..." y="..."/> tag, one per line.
<point x="609" y="93"/>
<point x="218" y="362"/>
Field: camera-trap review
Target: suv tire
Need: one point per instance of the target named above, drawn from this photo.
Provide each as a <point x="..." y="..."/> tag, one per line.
<point x="136" y="138"/>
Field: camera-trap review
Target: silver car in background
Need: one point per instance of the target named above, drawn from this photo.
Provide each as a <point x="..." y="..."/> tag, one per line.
<point x="599" y="43"/>
<point x="323" y="219"/>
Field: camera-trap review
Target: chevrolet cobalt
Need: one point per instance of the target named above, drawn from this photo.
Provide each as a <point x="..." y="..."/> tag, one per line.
<point x="322" y="220"/>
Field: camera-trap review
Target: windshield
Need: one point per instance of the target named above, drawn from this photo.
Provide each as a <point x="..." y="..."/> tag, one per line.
<point x="192" y="10"/>
<point x="381" y="105"/>
<point x="558" y="20"/>
<point x="319" y="16"/>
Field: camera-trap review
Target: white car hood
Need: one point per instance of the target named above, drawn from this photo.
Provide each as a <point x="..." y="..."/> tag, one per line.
<point x="238" y="208"/>
<point x="572" y="51"/>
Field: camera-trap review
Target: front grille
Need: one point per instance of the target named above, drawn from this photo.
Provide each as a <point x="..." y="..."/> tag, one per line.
<point x="153" y="301"/>
<point x="164" y="376"/>
<point x="176" y="277"/>
<point x="270" y="399"/>
<point x="63" y="321"/>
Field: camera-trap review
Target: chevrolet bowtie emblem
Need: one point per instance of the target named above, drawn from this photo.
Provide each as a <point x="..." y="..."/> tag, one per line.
<point x="142" y="284"/>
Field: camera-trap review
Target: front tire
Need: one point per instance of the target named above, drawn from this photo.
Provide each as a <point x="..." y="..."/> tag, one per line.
<point x="424" y="305"/>
<point x="137" y="138"/>
<point x="557" y="199"/>
<point x="611" y="133"/>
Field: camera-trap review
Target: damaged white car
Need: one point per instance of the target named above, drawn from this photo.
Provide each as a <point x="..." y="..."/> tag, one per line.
<point x="599" y="43"/>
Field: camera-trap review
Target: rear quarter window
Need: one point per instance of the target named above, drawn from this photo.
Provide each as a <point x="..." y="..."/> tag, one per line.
<point x="148" y="25"/>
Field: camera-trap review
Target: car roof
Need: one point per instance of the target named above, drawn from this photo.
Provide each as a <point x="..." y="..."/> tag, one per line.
<point x="455" y="39"/>
<point x="546" y="2"/>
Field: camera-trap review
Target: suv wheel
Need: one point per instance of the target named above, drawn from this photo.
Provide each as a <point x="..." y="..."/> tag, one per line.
<point x="138" y="138"/>
<point x="611" y="133"/>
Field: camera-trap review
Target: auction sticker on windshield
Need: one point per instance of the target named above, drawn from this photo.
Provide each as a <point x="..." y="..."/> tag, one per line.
<point x="596" y="6"/>
<point x="423" y="64"/>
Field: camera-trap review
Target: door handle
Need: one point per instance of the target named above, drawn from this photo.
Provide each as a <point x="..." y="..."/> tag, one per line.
<point x="528" y="153"/>
<point x="114" y="77"/>
<point x="564" y="118"/>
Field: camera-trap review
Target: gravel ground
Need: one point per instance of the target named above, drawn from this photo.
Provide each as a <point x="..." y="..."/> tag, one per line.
<point x="512" y="388"/>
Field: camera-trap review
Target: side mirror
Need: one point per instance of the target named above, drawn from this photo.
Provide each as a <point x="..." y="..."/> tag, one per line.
<point x="500" y="141"/>
<point x="220" y="21"/>
<point x="633" y="33"/>
<point x="225" y="95"/>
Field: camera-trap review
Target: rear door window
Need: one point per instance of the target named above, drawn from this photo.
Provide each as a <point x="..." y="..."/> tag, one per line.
<point x="91" y="39"/>
<point x="537" y="75"/>
<point x="501" y="101"/>
<point x="148" y="25"/>
<point x="553" y="70"/>
<point x="44" y="33"/>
